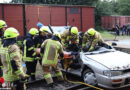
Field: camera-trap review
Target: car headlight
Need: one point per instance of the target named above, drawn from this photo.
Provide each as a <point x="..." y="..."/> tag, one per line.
<point x="112" y="73"/>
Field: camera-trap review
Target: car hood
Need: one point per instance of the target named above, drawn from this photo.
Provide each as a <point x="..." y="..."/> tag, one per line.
<point x="113" y="60"/>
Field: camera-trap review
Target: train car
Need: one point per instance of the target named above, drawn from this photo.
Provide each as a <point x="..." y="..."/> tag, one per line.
<point x="25" y="16"/>
<point x="109" y="22"/>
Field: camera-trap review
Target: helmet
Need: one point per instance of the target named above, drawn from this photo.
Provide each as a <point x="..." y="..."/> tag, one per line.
<point x="74" y="30"/>
<point x="11" y="33"/>
<point x="44" y="29"/>
<point x="57" y="34"/>
<point x="33" y="31"/>
<point x="91" y="32"/>
<point x="2" y="24"/>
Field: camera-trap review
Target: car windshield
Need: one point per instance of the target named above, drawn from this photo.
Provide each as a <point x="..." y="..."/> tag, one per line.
<point x="99" y="51"/>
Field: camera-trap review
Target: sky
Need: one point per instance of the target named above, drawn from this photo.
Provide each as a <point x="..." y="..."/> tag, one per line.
<point x="2" y="1"/>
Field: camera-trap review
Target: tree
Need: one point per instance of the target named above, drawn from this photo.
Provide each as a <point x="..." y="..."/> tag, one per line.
<point x="124" y="6"/>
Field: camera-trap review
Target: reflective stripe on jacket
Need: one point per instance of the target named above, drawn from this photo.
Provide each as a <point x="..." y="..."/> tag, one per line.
<point x="7" y="54"/>
<point x="92" y="41"/>
<point x="66" y="37"/>
<point x="51" y="50"/>
<point x="28" y="52"/>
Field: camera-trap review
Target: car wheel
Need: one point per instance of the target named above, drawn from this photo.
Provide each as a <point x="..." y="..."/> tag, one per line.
<point x="89" y="77"/>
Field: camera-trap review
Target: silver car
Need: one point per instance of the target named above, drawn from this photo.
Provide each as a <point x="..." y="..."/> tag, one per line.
<point x="107" y="68"/>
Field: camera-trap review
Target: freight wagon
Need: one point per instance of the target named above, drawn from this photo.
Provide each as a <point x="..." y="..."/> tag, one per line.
<point x="25" y="16"/>
<point x="109" y="22"/>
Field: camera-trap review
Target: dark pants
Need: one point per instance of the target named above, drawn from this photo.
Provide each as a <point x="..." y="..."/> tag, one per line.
<point x="15" y="85"/>
<point x="31" y="68"/>
<point x="19" y="85"/>
<point x="1" y="72"/>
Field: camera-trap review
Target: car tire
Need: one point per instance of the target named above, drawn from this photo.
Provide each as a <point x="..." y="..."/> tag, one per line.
<point x="89" y="77"/>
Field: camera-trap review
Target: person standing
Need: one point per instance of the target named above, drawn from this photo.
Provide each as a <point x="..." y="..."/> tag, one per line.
<point x="117" y="30"/>
<point x="30" y="53"/>
<point x="50" y="49"/>
<point x="40" y="39"/>
<point x="11" y="59"/>
<point x="124" y="28"/>
<point x="3" y="25"/>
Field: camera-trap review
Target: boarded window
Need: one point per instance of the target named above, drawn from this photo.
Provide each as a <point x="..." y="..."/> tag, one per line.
<point x="74" y="10"/>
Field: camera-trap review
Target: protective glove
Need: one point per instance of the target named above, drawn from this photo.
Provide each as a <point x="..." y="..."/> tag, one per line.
<point x="24" y="76"/>
<point x="37" y="58"/>
<point x="74" y="53"/>
<point x="74" y="42"/>
<point x="86" y="48"/>
<point x="109" y="47"/>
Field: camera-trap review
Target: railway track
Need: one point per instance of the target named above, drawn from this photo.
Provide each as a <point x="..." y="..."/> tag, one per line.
<point x="41" y="84"/>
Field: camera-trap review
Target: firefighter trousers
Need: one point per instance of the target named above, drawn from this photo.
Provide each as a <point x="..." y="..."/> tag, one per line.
<point x="31" y="69"/>
<point x="15" y="85"/>
<point x="47" y="73"/>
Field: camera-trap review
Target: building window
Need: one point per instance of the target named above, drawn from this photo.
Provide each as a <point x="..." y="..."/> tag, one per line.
<point x="74" y="10"/>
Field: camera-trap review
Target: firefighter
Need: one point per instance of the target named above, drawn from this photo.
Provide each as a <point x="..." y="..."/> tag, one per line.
<point x="11" y="59"/>
<point x="50" y="49"/>
<point x="40" y="39"/>
<point x="70" y="38"/>
<point x="30" y="53"/>
<point x="3" y="25"/>
<point x="91" y="38"/>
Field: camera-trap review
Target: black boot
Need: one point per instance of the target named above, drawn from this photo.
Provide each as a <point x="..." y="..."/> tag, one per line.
<point x="33" y="78"/>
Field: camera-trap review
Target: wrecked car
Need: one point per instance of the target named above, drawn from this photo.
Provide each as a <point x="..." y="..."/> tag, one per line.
<point x="104" y="67"/>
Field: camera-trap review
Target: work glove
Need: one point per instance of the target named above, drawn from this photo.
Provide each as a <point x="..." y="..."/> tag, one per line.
<point x="74" y="42"/>
<point x="24" y="76"/>
<point x="74" y="53"/>
<point x="37" y="58"/>
<point x="109" y="47"/>
<point x="86" y="48"/>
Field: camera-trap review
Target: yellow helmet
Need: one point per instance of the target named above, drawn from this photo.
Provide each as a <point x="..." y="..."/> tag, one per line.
<point x="33" y="31"/>
<point x="44" y="29"/>
<point x="91" y="32"/>
<point x="11" y="33"/>
<point x="2" y="24"/>
<point x="74" y="30"/>
<point x="57" y="34"/>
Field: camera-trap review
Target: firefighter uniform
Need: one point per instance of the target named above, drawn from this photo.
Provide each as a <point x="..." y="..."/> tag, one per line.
<point x="29" y="52"/>
<point x="2" y="28"/>
<point x="51" y="48"/>
<point x="11" y="60"/>
<point x="91" y="38"/>
<point x="40" y="39"/>
<point x="70" y="37"/>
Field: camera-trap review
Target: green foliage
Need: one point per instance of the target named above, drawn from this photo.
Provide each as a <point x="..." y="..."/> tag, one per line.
<point x="124" y="7"/>
<point x="64" y="2"/>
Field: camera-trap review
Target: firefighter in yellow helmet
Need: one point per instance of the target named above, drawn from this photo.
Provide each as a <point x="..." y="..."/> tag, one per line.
<point x="50" y="49"/>
<point x="70" y="37"/>
<point x="11" y="59"/>
<point x="91" y="39"/>
<point x="30" y="53"/>
<point x="3" y="25"/>
<point x="40" y="39"/>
